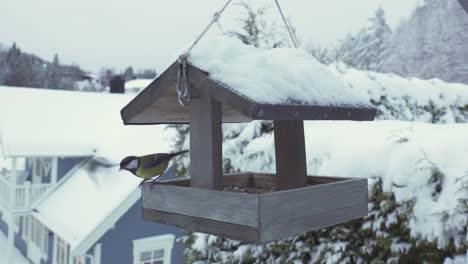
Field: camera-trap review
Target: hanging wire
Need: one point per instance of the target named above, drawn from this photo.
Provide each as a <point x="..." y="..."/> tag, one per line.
<point x="183" y="95"/>
<point x="290" y="31"/>
<point x="215" y="19"/>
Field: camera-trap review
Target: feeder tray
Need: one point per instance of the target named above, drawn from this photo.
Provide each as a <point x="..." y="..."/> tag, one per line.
<point x="251" y="207"/>
<point x="256" y="218"/>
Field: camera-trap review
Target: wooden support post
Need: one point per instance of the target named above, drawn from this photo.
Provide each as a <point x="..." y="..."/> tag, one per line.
<point x="291" y="166"/>
<point x="205" y="142"/>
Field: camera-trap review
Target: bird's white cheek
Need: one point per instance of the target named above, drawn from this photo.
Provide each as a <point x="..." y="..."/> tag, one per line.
<point x="132" y="165"/>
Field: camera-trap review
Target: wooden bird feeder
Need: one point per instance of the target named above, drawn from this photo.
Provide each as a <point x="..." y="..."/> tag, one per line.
<point x="295" y="202"/>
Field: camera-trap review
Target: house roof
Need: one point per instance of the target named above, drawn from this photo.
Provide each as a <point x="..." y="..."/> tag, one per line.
<point x="86" y="198"/>
<point x="251" y="84"/>
<point x="39" y="122"/>
<point x="94" y="195"/>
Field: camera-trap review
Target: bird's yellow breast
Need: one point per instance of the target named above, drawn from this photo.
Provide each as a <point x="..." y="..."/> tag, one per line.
<point x="148" y="173"/>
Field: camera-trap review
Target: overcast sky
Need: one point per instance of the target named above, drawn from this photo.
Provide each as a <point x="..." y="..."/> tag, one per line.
<point x="150" y="33"/>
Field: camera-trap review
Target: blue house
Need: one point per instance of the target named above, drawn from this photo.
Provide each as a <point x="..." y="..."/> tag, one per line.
<point x="62" y="198"/>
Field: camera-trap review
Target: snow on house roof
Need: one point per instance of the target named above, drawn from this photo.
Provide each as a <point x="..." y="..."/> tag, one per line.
<point x="89" y="199"/>
<point x="85" y="200"/>
<point x="38" y="122"/>
<point x="275" y="76"/>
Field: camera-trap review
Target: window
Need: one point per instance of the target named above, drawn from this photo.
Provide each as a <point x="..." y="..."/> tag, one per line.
<point x="38" y="234"/>
<point x="152" y="257"/>
<point x="34" y="232"/>
<point x="62" y="251"/>
<point x="153" y="250"/>
<point x="79" y="260"/>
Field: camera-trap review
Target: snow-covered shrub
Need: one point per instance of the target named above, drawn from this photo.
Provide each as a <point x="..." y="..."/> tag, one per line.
<point x="418" y="175"/>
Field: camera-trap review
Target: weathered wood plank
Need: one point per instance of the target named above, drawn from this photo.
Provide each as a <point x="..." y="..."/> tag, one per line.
<point x="312" y="112"/>
<point x="290" y="205"/>
<point x="235" y="179"/>
<point x="287" y="229"/>
<point x="230" y="207"/>
<point x="149" y="95"/>
<point x="291" y="167"/>
<point x="222" y="229"/>
<point x="206" y="164"/>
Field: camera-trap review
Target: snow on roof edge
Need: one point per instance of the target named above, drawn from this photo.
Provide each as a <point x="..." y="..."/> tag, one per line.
<point x="272" y="76"/>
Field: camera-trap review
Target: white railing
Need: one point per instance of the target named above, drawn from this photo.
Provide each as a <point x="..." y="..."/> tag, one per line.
<point x="24" y="195"/>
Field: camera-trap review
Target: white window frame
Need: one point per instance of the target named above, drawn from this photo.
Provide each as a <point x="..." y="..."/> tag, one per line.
<point x="164" y="242"/>
<point x="61" y="251"/>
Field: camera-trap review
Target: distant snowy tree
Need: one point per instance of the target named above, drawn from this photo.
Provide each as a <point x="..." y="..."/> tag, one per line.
<point x="256" y="30"/>
<point x="129" y="74"/>
<point x="324" y="55"/>
<point x="432" y="43"/>
<point x="53" y="74"/>
<point x="368" y="48"/>
<point x="21" y="69"/>
<point x="146" y="74"/>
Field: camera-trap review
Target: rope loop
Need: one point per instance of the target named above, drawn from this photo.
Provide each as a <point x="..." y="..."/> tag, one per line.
<point x="216" y="17"/>
<point x="183" y="95"/>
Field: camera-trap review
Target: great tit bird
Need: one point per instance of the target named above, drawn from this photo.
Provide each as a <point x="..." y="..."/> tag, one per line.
<point x="148" y="166"/>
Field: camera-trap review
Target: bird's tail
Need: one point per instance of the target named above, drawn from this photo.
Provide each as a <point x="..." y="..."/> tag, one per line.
<point x="178" y="153"/>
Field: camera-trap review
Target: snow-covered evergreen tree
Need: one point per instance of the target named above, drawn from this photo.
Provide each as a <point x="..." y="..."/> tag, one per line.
<point x="387" y="235"/>
<point x="19" y="68"/>
<point x="368" y="48"/>
<point x="431" y="43"/>
<point x="256" y="30"/>
<point x="390" y="233"/>
<point x="53" y="74"/>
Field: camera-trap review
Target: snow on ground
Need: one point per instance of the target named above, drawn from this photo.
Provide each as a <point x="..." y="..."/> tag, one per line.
<point x="18" y="258"/>
<point x="137" y="85"/>
<point x="282" y="75"/>
<point x="404" y="154"/>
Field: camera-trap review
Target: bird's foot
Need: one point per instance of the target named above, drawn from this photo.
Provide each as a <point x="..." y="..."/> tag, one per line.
<point x="143" y="181"/>
<point x="155" y="180"/>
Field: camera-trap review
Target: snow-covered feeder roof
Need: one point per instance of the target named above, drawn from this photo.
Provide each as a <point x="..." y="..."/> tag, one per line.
<point x="251" y="84"/>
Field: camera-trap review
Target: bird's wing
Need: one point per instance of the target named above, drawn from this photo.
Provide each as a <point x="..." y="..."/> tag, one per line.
<point x="152" y="160"/>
